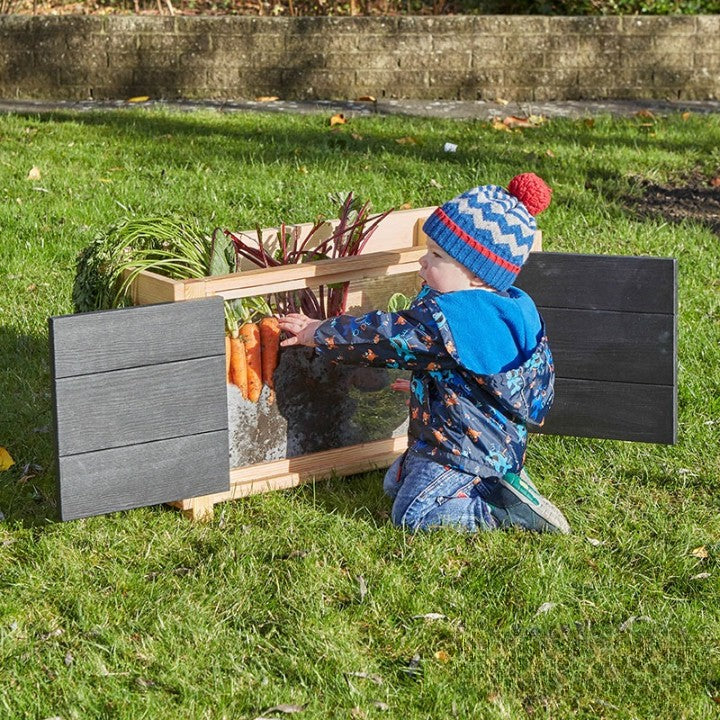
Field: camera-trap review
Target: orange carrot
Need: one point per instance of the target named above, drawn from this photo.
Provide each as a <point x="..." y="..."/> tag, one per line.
<point x="228" y="351"/>
<point x="238" y="364"/>
<point x="270" y="344"/>
<point x="250" y="334"/>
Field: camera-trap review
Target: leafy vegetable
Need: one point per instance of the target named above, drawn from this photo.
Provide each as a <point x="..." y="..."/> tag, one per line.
<point x="349" y="237"/>
<point x="174" y="247"/>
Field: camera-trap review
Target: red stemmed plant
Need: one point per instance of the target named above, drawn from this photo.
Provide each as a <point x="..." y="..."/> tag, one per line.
<point x="353" y="230"/>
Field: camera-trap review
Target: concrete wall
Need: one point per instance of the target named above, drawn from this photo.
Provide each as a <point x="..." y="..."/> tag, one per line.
<point x="468" y="58"/>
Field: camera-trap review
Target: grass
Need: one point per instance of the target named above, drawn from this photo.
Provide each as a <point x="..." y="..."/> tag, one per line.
<point x="309" y="597"/>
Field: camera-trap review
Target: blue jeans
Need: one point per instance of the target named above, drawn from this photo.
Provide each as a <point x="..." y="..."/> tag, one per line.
<point x="427" y="494"/>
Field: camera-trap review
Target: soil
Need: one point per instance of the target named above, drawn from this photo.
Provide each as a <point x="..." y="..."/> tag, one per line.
<point x="696" y="198"/>
<point x="316" y="406"/>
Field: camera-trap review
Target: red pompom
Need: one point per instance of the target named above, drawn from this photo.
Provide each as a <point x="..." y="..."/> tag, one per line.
<point x="532" y="191"/>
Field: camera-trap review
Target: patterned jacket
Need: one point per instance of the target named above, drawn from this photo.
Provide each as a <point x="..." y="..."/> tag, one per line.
<point x="473" y="421"/>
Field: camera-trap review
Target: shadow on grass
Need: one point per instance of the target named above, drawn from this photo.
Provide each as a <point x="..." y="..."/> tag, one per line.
<point x="27" y="489"/>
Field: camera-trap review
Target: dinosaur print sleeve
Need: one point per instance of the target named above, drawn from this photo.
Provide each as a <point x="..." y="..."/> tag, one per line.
<point x="409" y="339"/>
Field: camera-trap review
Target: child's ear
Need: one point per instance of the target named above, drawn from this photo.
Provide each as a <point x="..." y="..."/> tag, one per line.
<point x="476" y="282"/>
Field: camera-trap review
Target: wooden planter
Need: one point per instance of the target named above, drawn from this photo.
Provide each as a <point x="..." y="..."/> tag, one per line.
<point x="389" y="264"/>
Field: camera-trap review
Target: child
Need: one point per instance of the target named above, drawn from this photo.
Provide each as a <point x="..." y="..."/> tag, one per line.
<point x="481" y="366"/>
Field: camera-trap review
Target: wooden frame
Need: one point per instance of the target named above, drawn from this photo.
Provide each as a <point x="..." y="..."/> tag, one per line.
<point x="395" y="248"/>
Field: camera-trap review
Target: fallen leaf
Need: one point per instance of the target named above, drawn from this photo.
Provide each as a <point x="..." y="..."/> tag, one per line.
<point x="366" y="98"/>
<point x="502" y="101"/>
<point x="498" y="124"/>
<point x="139" y="99"/>
<point x="69" y="659"/>
<point x="303" y="169"/>
<point x="595" y="542"/>
<point x="514" y="121"/>
<point x="405" y="206"/>
<point x="686" y="115"/>
<point x="545" y="607"/>
<point x="550" y="153"/>
<point x="701" y="576"/>
<point x="430" y="616"/>
<point x="338" y="119"/>
<point x="589" y="122"/>
<point x="53" y="633"/>
<point x="632" y="620"/>
<point x="406" y="141"/>
<point x="645" y="114"/>
<point x="32" y="287"/>
<point x="362" y="587"/>
<point x="355" y="136"/>
<point x="715" y="182"/>
<point x="700" y="552"/>
<point x="34" y="173"/>
<point x="267" y="98"/>
<point x="358" y="712"/>
<point x="366" y="676"/>
<point x="286" y="708"/>
<point x="6" y="460"/>
<point x="104" y="180"/>
<point x="435" y="184"/>
<point x="380" y="705"/>
<point x="442" y="656"/>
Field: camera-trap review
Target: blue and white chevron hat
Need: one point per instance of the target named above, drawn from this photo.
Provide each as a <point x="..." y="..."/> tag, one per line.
<point x="490" y="230"/>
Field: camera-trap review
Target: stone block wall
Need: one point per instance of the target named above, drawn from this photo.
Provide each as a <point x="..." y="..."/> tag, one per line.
<point x="451" y="57"/>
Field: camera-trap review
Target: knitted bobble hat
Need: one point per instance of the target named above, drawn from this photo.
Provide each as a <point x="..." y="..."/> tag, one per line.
<point x="489" y="229"/>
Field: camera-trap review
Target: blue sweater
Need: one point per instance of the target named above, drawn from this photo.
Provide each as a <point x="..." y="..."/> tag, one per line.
<point x="481" y="371"/>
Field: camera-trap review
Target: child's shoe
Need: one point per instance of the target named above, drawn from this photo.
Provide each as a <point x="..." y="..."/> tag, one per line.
<point x="515" y="502"/>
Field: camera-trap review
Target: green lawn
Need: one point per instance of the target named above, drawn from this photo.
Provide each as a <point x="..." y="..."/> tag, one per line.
<point x="309" y="598"/>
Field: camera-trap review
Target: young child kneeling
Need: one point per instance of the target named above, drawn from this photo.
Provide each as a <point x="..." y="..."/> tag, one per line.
<point x="481" y="366"/>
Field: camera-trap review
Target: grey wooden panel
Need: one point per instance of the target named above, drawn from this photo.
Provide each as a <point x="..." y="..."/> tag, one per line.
<point x="153" y="334"/>
<point x="602" y="345"/>
<point x="613" y="410"/>
<point x="141" y="404"/>
<point x="140" y="475"/>
<point x="130" y="434"/>
<point x="601" y="282"/>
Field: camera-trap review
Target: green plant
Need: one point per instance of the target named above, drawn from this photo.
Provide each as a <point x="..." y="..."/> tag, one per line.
<point x="174" y="247"/>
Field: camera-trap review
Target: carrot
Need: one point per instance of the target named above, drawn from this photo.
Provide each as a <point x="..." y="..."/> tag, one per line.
<point x="250" y="334"/>
<point x="270" y="346"/>
<point x="228" y="351"/>
<point x="238" y="364"/>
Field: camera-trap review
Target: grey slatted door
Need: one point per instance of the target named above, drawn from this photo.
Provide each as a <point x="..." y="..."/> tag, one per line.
<point x="612" y="326"/>
<point x="140" y="406"/>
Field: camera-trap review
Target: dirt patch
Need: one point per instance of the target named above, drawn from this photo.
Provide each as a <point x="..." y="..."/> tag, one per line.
<point x="695" y="198"/>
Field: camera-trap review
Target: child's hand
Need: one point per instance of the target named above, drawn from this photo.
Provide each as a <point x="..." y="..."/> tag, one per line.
<point x="400" y="385"/>
<point x="301" y="327"/>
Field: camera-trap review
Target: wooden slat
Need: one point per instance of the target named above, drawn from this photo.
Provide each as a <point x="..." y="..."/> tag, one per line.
<point x="294" y="277"/>
<point x="148" y="288"/>
<point x="101" y="341"/>
<point x="140" y="475"/>
<point x="601" y="282"/>
<point x="142" y="404"/>
<point x="613" y="410"/>
<point x="602" y="345"/>
<point x="290" y="472"/>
